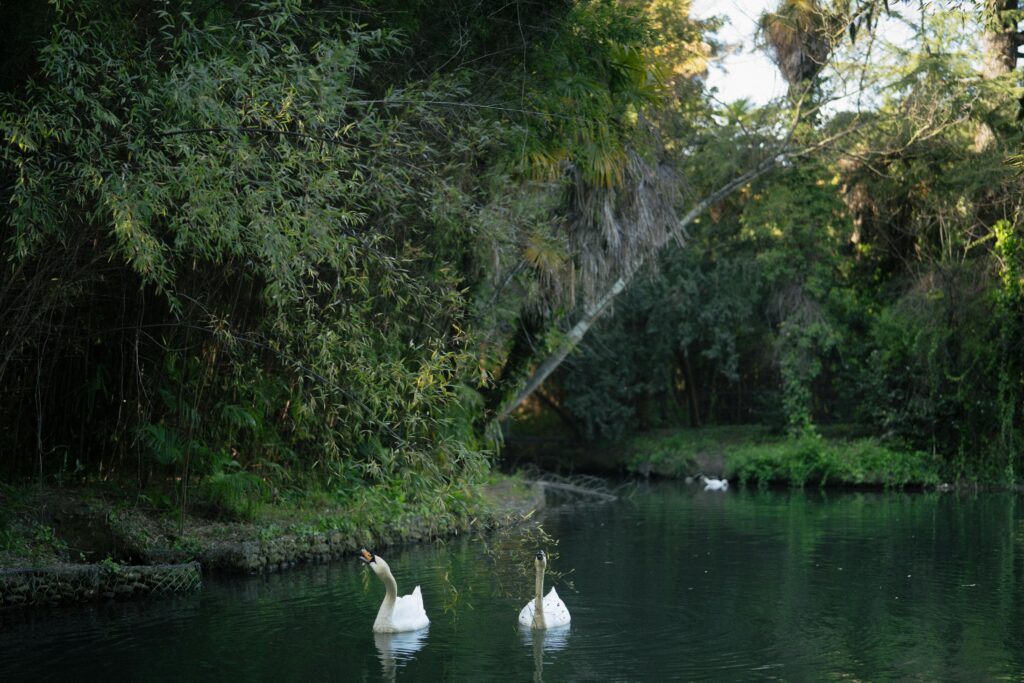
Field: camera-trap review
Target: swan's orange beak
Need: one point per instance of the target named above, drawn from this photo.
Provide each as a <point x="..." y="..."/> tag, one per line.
<point x="366" y="556"/>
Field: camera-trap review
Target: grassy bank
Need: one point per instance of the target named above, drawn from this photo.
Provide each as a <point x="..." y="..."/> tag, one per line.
<point x="54" y="526"/>
<point x="754" y="455"/>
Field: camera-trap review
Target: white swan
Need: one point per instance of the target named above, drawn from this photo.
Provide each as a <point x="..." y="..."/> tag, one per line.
<point x="715" y="484"/>
<point x="396" y="614"/>
<point x="546" y="612"/>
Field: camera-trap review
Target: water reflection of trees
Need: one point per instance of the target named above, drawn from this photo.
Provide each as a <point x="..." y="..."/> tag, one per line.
<point x="900" y="585"/>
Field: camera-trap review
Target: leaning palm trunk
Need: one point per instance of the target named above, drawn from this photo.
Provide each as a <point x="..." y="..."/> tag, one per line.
<point x="597" y="307"/>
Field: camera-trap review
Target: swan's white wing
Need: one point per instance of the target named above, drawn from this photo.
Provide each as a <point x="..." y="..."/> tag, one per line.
<point x="555" y="611"/>
<point x="526" y="614"/>
<point x="409" y="614"/>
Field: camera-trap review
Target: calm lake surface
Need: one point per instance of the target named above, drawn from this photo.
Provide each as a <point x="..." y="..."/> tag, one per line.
<point x="672" y="584"/>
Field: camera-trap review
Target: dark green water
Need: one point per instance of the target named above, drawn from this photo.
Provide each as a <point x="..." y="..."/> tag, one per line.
<point x="674" y="584"/>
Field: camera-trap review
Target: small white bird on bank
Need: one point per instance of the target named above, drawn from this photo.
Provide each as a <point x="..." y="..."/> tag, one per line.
<point x="715" y="484"/>
<point x="543" y="612"/>
<point x="396" y="614"/>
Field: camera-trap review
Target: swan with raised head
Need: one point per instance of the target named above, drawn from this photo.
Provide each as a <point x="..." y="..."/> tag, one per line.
<point x="396" y="614"/>
<point x="714" y="484"/>
<point x="543" y="612"/>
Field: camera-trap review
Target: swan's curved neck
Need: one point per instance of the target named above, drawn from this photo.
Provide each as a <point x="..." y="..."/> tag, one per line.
<point x="538" y="607"/>
<point x="390" y="593"/>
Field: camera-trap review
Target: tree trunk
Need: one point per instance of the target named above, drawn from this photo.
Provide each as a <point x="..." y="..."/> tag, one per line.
<point x="683" y="358"/>
<point x="516" y="367"/>
<point x="999" y="57"/>
<point x="571" y="340"/>
<point x="562" y="413"/>
<point x="594" y="311"/>
<point x="999" y="41"/>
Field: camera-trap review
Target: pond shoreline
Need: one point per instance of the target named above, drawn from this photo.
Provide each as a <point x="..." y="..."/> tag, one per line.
<point x="837" y="458"/>
<point x="89" y="582"/>
<point x="148" y="554"/>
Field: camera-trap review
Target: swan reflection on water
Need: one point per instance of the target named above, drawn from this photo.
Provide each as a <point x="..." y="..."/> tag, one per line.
<point x="548" y="640"/>
<point x="398" y="649"/>
<point x="541" y="641"/>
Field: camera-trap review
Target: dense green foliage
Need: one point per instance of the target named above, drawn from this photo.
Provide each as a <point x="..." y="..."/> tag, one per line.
<point x="263" y="247"/>
<point x="267" y="258"/>
<point x="757" y="455"/>
<point x="811" y="459"/>
<point x="874" y="282"/>
<point x="258" y="248"/>
<point x="736" y="326"/>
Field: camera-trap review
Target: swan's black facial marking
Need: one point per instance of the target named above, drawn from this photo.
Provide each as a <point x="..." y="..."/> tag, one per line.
<point x="366" y="556"/>
<point x="541" y="556"/>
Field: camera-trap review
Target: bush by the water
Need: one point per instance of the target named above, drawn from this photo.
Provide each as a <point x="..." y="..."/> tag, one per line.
<point x="814" y="460"/>
<point x="754" y="455"/>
